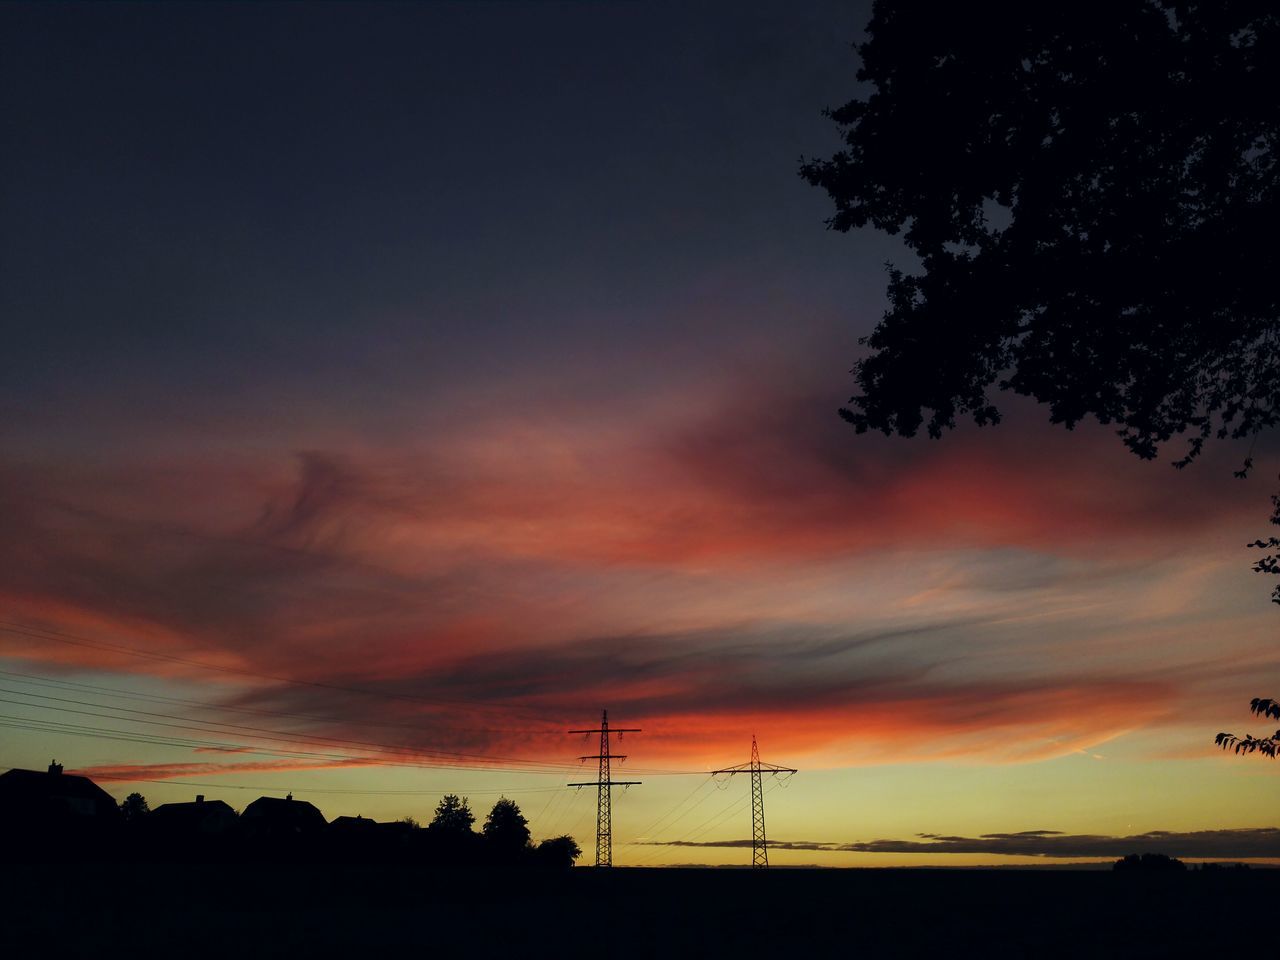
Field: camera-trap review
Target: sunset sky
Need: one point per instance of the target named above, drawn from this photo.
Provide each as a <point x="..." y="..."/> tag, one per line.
<point x="387" y="390"/>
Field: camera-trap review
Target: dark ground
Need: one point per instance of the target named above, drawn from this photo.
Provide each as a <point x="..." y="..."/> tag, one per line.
<point x="294" y="911"/>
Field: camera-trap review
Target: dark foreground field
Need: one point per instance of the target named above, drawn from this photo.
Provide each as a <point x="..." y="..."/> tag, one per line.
<point x="286" y="911"/>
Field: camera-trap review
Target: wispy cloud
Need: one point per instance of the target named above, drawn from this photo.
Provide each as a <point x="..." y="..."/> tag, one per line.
<point x="870" y="603"/>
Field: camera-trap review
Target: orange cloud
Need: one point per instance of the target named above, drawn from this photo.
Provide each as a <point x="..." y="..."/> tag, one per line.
<point x="677" y="577"/>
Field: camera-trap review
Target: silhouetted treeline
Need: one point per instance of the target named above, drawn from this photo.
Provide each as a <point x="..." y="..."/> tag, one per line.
<point x="1148" y="863"/>
<point x="57" y="816"/>
<point x="1158" y="863"/>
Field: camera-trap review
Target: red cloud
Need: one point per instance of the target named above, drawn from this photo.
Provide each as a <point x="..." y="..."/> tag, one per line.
<point x="466" y="576"/>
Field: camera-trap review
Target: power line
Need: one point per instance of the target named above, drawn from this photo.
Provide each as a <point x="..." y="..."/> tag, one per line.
<point x="59" y="636"/>
<point x="582" y="816"/>
<point x="555" y="811"/>
<point x="127" y="736"/>
<point x="336" y="792"/>
<point x="702" y="829"/>
<point x="263" y="733"/>
<point x="565" y="811"/>
<point x="59" y="684"/>
<point x="272" y="734"/>
<point x="694" y="832"/>
<point x="653" y="826"/>
<point x="546" y="806"/>
<point x="708" y="825"/>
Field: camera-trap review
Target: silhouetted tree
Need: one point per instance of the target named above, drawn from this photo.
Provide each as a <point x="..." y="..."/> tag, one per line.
<point x="1270" y="563"/>
<point x="506" y="830"/>
<point x="449" y="838"/>
<point x="1091" y="194"/>
<point x="558" y="852"/>
<point x="133" y="808"/>
<point x="410" y="822"/>
<point x="1262" y="707"/>
<point x="453" y="816"/>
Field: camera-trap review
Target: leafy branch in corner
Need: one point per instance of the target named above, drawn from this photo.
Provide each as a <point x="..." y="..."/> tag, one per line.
<point x="1270" y="563"/>
<point x="1091" y="204"/>
<point x="1268" y="746"/>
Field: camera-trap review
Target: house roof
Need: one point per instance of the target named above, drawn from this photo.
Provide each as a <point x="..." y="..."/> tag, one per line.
<point x="196" y="817"/>
<point x="78" y="795"/>
<point x="194" y="809"/>
<point x="287" y="813"/>
<point x="352" y="823"/>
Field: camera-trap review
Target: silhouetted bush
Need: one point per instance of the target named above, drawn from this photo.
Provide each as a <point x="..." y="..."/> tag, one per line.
<point x="558" y="852"/>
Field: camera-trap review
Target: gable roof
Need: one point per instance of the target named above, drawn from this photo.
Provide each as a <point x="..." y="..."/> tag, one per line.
<point x="193" y="810"/>
<point x="198" y="817"/>
<point x="352" y="823"/>
<point x="285" y="815"/>
<point x="55" y="791"/>
<point x="192" y="807"/>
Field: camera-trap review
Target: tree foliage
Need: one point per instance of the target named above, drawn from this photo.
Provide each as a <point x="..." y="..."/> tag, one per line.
<point x="1148" y="863"/>
<point x="506" y="829"/>
<point x="453" y="816"/>
<point x="1267" y="709"/>
<point x="562" y="852"/>
<point x="134" y="808"/>
<point x="1271" y="562"/>
<point x="1091" y="192"/>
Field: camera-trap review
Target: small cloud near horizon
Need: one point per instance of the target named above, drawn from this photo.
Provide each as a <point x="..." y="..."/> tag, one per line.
<point x="1236" y="844"/>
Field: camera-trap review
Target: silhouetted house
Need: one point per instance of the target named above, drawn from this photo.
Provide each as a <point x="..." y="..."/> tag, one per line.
<point x="276" y="818"/>
<point x="364" y="827"/>
<point x="395" y="830"/>
<point x="31" y="799"/>
<point x="352" y="826"/>
<point x="361" y="839"/>
<point x="198" y="818"/>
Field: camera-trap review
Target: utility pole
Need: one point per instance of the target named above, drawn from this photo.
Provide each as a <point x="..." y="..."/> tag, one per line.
<point x="604" y="785"/>
<point x="757" y="768"/>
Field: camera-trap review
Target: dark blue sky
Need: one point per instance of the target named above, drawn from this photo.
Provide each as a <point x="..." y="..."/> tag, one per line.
<point x="203" y="203"/>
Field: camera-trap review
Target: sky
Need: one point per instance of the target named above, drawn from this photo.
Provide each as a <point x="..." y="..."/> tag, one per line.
<point x="387" y="390"/>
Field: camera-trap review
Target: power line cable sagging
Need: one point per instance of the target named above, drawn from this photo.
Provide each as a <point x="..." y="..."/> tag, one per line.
<point x="59" y="636"/>
<point x="370" y="752"/>
<point x="693" y="834"/>
<point x="154" y="727"/>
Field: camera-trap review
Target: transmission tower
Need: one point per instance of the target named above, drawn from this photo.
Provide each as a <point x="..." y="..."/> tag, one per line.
<point x="757" y="768"/>
<point x="604" y="785"/>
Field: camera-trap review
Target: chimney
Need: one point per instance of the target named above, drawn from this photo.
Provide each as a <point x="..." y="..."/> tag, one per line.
<point x="55" y="767"/>
<point x="199" y="798"/>
<point x="289" y="797"/>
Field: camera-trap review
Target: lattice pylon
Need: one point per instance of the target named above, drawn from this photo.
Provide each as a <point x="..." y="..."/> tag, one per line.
<point x="604" y="785"/>
<point x="757" y="768"/>
<point x="759" y="843"/>
<point x="604" y="796"/>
